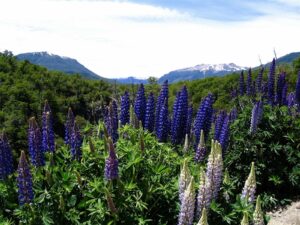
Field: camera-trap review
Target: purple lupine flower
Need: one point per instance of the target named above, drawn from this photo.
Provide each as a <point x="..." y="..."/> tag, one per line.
<point x="242" y="84"/>
<point x="164" y="94"/>
<point x="219" y="123"/>
<point x="111" y="171"/>
<point x="189" y="120"/>
<point x="6" y="158"/>
<point x="253" y="88"/>
<point x="163" y="125"/>
<point x="281" y="82"/>
<point x="184" y="179"/>
<point x="203" y="118"/>
<point x="24" y="181"/>
<point x="224" y="134"/>
<point x="187" y="207"/>
<point x="271" y="82"/>
<point x="297" y="92"/>
<point x="249" y="189"/>
<point x="291" y="99"/>
<point x="175" y="106"/>
<point x="76" y="143"/>
<point x="201" y="149"/>
<point x="180" y="117"/>
<point x="111" y="120"/>
<point x="233" y="114"/>
<point x="140" y="104"/>
<point x="284" y="94"/>
<point x="150" y="113"/>
<point x="125" y="107"/>
<point x="259" y="80"/>
<point x="69" y="126"/>
<point x="48" y="141"/>
<point x="201" y="201"/>
<point x="256" y="116"/>
<point x="249" y="83"/>
<point x="35" y="144"/>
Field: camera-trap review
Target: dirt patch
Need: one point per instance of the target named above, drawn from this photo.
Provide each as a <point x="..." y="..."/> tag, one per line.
<point x="289" y="215"/>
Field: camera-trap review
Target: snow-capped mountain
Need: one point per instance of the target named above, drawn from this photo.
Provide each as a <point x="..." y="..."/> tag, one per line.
<point x="200" y="71"/>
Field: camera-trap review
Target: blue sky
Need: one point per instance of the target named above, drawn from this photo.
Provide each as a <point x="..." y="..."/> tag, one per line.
<point x="142" y="38"/>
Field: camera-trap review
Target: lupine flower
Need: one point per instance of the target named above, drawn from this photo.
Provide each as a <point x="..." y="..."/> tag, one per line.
<point x="125" y="107"/>
<point x="164" y="94"/>
<point x="284" y="94"/>
<point x="245" y="220"/>
<point x="6" y="158"/>
<point x="184" y="179"/>
<point x="69" y="126"/>
<point x="291" y="100"/>
<point x="256" y="116"/>
<point x="203" y="219"/>
<point x="189" y="120"/>
<point x="258" y="217"/>
<point x="253" y="88"/>
<point x="242" y="84"/>
<point x="111" y="120"/>
<point x="134" y="121"/>
<point x="76" y="143"/>
<point x="204" y="187"/>
<point x="140" y="104"/>
<point x="297" y="92"/>
<point x="271" y="83"/>
<point x="47" y="129"/>
<point x="224" y="134"/>
<point x="24" y="181"/>
<point x="150" y="113"/>
<point x="35" y="144"/>
<point x="180" y="117"/>
<point x="233" y="115"/>
<point x="203" y="118"/>
<point x="219" y="123"/>
<point x="201" y="149"/>
<point x="249" y="189"/>
<point x="259" y="79"/>
<point x="163" y="126"/>
<point x="111" y="171"/>
<point x="187" y="207"/>
<point x="249" y="83"/>
<point x="281" y="82"/>
<point x="226" y="182"/>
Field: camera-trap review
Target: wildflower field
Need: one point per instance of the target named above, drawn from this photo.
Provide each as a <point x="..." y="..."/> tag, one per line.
<point x="146" y="161"/>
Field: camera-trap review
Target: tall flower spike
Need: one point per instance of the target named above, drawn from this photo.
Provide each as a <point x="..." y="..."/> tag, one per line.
<point x="125" y="107"/>
<point x="189" y="120"/>
<point x="202" y="194"/>
<point x="297" y="92"/>
<point x="111" y="120"/>
<point x="281" y="82"/>
<point x="245" y="220"/>
<point x="258" y="217"/>
<point x="226" y="182"/>
<point x="233" y="115"/>
<point x="140" y="104"/>
<point x="164" y="94"/>
<point x="150" y="113"/>
<point x="242" y="84"/>
<point x="76" y="143"/>
<point x="6" y="158"/>
<point x="184" y="179"/>
<point x="271" y="83"/>
<point x="203" y="219"/>
<point x="24" y="181"/>
<point x="35" y="144"/>
<point x="249" y="189"/>
<point x="201" y="149"/>
<point x="256" y="116"/>
<point x="249" y="82"/>
<point x="259" y="79"/>
<point x="187" y="207"/>
<point x="224" y="134"/>
<point x="163" y="126"/>
<point x="219" y="123"/>
<point x="111" y="171"/>
<point x="69" y="126"/>
<point x="48" y="141"/>
<point x="186" y="144"/>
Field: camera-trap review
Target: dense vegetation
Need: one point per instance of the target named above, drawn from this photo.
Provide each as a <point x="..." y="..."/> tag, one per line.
<point x="141" y="163"/>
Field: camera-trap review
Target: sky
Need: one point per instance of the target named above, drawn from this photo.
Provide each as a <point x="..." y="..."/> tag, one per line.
<point x="145" y="38"/>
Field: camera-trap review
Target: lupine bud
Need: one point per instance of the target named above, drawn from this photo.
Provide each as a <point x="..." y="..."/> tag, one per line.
<point x="226" y="182"/>
<point x="271" y="83"/>
<point x="48" y="141"/>
<point x="259" y="80"/>
<point x="164" y="94"/>
<point x="35" y="144"/>
<point x="150" y="113"/>
<point x="186" y="144"/>
<point x="76" y="143"/>
<point x="163" y="126"/>
<point x="258" y="217"/>
<point x="125" y="107"/>
<point x="245" y="220"/>
<point x="224" y="134"/>
<point x="249" y="82"/>
<point x="201" y="149"/>
<point x="184" y="179"/>
<point x="242" y="84"/>
<point x="111" y="171"/>
<point x="203" y="219"/>
<point x="297" y="92"/>
<point x="24" y="181"/>
<point x="6" y="158"/>
<point x="69" y="126"/>
<point x="187" y="207"/>
<point x="249" y="189"/>
<point x="140" y="104"/>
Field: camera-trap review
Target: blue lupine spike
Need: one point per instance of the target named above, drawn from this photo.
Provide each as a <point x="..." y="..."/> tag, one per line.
<point x="259" y="80"/>
<point x="111" y="163"/>
<point x="125" y="109"/>
<point x="175" y="106"/>
<point x="291" y="100"/>
<point x="249" y="83"/>
<point x="140" y="104"/>
<point x="280" y="85"/>
<point x="111" y="121"/>
<point x="35" y="144"/>
<point x="48" y="141"/>
<point x="233" y="114"/>
<point x="284" y="94"/>
<point x="6" y="158"/>
<point x="150" y="111"/>
<point x="271" y="83"/>
<point x="218" y="124"/>
<point x="225" y="134"/>
<point x="24" y="181"/>
<point x="242" y="84"/>
<point x="76" y="143"/>
<point x="164" y="94"/>
<point x="189" y="120"/>
<point x="297" y="92"/>
<point x="163" y="125"/>
<point x="69" y="126"/>
<point x="257" y="113"/>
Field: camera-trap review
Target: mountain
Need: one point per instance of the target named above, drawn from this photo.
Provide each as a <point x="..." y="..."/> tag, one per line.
<point x="200" y="71"/>
<point x="287" y="59"/>
<point x="58" y="63"/>
<point x="131" y="80"/>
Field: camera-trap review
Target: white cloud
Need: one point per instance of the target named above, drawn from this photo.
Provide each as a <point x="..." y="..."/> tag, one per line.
<point x="123" y="39"/>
